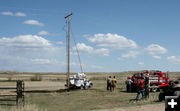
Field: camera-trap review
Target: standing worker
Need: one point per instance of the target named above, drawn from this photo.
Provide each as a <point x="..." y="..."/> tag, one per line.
<point x="114" y="81"/>
<point x="140" y="88"/>
<point x="109" y="81"/>
<point x="128" y="84"/>
<point x="146" y="87"/>
<point x="85" y="84"/>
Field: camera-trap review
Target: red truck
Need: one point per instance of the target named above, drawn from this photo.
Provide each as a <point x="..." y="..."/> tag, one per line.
<point x="156" y="78"/>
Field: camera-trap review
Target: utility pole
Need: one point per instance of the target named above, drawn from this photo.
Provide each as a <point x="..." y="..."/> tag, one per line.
<point x="68" y="73"/>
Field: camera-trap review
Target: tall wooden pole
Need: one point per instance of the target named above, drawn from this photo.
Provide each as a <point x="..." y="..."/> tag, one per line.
<point x="68" y="73"/>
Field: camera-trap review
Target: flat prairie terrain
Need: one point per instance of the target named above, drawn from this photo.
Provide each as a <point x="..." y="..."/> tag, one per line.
<point x="45" y="91"/>
<point x="150" y="107"/>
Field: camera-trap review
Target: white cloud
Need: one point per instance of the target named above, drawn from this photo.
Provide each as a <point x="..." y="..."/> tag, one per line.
<point x="154" y="49"/>
<point x="27" y="45"/>
<point x="44" y="61"/>
<point x="43" y="33"/>
<point x="102" y="51"/>
<point x="86" y="67"/>
<point x="29" y="53"/>
<point x="34" y="22"/>
<point x="60" y="43"/>
<point x="74" y="64"/>
<point x="112" y="41"/>
<point x="21" y="14"/>
<point x="95" y="67"/>
<point x="85" y="48"/>
<point x="156" y="57"/>
<point x="130" y="54"/>
<point x="141" y="64"/>
<point x="174" y="59"/>
<point x="7" y="13"/>
<point x="25" y="41"/>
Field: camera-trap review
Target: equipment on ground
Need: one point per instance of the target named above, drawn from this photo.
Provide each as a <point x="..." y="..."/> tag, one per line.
<point x="156" y="78"/>
<point x="79" y="81"/>
<point x="171" y="89"/>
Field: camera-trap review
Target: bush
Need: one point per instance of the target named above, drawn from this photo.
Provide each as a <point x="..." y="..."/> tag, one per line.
<point x="36" y="78"/>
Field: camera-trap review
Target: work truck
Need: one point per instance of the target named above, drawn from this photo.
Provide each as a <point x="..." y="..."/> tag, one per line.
<point x="156" y="78"/>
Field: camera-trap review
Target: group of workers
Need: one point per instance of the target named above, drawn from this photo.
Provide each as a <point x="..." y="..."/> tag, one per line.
<point x="111" y="83"/>
<point x="140" y="87"/>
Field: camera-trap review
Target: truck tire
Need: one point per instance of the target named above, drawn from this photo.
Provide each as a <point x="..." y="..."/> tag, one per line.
<point x="161" y="97"/>
<point x="176" y="93"/>
<point x="154" y="89"/>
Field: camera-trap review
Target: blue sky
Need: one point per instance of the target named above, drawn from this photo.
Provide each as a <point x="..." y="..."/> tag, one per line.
<point x="112" y="36"/>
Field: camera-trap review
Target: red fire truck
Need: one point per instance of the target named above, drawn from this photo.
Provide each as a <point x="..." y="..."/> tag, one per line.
<point x="156" y="78"/>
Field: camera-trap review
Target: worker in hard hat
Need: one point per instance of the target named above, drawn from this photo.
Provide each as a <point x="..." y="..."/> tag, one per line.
<point x="114" y="82"/>
<point x="128" y="84"/>
<point x="140" y="88"/>
<point x="109" y="84"/>
<point x="85" y="83"/>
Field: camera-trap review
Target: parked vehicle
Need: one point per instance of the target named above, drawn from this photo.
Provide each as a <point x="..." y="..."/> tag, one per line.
<point x="171" y="89"/>
<point x="156" y="78"/>
<point x="79" y="81"/>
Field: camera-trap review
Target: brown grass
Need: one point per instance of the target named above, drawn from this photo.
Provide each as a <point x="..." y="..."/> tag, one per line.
<point x="81" y="100"/>
<point x="28" y="107"/>
<point x="36" y="78"/>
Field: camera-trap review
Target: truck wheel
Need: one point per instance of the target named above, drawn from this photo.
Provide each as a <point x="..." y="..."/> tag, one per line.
<point x="176" y="93"/>
<point x="154" y="89"/>
<point x="161" y="97"/>
<point x="90" y="86"/>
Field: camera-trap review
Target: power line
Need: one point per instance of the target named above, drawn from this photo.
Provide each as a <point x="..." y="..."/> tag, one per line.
<point x="77" y="51"/>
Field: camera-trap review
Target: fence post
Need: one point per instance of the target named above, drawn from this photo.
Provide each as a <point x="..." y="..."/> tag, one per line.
<point x="147" y="87"/>
<point x="23" y="92"/>
<point x="19" y="94"/>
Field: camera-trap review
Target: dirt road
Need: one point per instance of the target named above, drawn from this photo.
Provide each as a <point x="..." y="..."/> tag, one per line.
<point x="151" y="107"/>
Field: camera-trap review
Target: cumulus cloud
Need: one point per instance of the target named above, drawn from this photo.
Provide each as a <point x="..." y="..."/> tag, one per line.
<point x="43" y="32"/>
<point x="156" y="57"/>
<point x="21" y="14"/>
<point x="130" y="54"/>
<point x="141" y="64"/>
<point x="29" y="53"/>
<point x="27" y="45"/>
<point x="7" y="13"/>
<point x="25" y="41"/>
<point x="86" y="67"/>
<point x="44" y="61"/>
<point x="154" y="49"/>
<point x="34" y="22"/>
<point x="96" y="67"/>
<point x="174" y="59"/>
<point x="112" y="41"/>
<point x="59" y="43"/>
<point x="85" y="48"/>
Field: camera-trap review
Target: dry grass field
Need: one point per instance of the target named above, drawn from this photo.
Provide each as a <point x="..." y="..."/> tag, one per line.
<point x="42" y="92"/>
